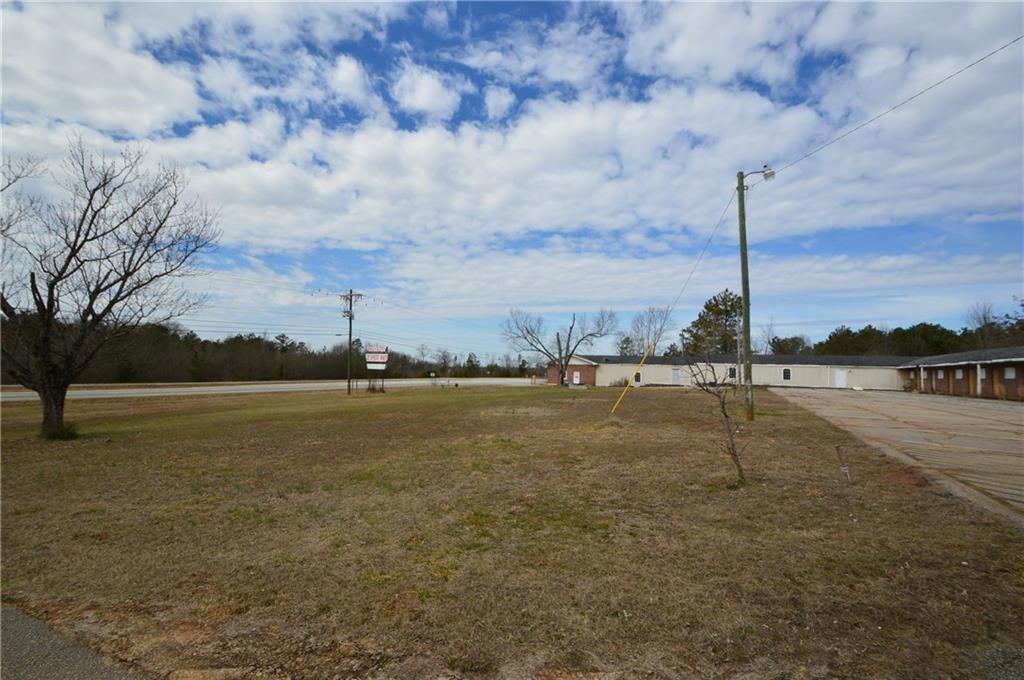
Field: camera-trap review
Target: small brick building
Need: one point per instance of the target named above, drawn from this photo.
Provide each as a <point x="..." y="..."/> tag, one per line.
<point x="577" y="374"/>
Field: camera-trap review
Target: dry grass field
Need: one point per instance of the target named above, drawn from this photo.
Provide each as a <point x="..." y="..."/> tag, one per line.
<point x="510" y="533"/>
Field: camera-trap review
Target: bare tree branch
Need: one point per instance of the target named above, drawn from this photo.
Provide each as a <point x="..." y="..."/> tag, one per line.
<point x="706" y="378"/>
<point x="647" y="329"/>
<point x="525" y="332"/>
<point x="95" y="265"/>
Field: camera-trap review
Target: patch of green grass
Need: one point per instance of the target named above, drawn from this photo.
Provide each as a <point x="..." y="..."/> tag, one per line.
<point x="250" y="516"/>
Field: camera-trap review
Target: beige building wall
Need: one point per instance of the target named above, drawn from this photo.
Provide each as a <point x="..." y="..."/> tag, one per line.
<point x="849" y="377"/>
<point x="654" y="374"/>
<point x="863" y="377"/>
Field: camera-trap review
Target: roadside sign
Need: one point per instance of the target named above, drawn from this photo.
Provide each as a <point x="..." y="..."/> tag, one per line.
<point x="376" y="357"/>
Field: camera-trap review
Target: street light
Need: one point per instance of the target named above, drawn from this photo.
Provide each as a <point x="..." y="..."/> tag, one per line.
<point x="748" y="372"/>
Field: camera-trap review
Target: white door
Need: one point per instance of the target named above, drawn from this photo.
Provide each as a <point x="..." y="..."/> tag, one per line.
<point x="840" y="379"/>
<point x="575" y="377"/>
<point x="676" y="379"/>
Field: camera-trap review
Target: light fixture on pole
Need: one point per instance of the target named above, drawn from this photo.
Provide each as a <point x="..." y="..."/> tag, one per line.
<point x="748" y="372"/>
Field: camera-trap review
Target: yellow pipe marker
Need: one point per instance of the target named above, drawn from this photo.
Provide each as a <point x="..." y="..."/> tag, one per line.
<point x="629" y="383"/>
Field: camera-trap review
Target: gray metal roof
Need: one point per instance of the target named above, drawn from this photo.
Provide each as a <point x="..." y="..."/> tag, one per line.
<point x="767" y="359"/>
<point x="981" y="356"/>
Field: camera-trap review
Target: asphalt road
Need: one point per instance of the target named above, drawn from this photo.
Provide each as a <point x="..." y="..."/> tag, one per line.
<point x="34" y="651"/>
<point x="85" y="392"/>
<point x="979" y="443"/>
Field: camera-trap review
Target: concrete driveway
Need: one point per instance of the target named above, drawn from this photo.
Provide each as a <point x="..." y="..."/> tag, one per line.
<point x="977" y="442"/>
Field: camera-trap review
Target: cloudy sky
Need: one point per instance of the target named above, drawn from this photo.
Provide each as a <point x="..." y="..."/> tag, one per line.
<point x="453" y="161"/>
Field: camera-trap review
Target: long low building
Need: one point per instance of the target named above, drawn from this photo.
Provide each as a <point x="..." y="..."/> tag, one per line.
<point x="800" y="370"/>
<point x="994" y="373"/>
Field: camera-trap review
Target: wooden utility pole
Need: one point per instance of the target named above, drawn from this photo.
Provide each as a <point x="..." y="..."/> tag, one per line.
<point x="748" y="372"/>
<point x="349" y="298"/>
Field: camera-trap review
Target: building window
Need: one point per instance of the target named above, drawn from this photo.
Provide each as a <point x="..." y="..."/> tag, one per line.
<point x="940" y="374"/>
<point x="1010" y="373"/>
<point x="786" y="374"/>
<point x="636" y="377"/>
<point x="924" y="373"/>
<point x="959" y="374"/>
<point x="732" y="372"/>
<point x="983" y="373"/>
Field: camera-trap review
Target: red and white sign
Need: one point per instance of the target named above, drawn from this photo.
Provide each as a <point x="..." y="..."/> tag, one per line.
<point x="376" y="357"/>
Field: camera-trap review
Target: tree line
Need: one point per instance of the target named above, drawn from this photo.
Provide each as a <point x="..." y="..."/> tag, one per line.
<point x="170" y="353"/>
<point x="715" y="331"/>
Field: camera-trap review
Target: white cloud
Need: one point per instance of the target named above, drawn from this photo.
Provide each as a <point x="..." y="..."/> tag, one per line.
<point x="437" y="16"/>
<point x="421" y="90"/>
<point x="646" y="179"/>
<point x="62" y="62"/>
<point x="713" y="41"/>
<point x="228" y="82"/>
<point x="488" y="282"/>
<point x="498" y="101"/>
<point x="570" y="52"/>
<point x="352" y="84"/>
<point x="243" y="28"/>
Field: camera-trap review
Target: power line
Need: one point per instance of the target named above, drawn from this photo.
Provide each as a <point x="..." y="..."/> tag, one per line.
<point x="703" y="250"/>
<point x="893" y="108"/>
<point x="302" y="329"/>
<point x="240" y="327"/>
<point x="213" y="273"/>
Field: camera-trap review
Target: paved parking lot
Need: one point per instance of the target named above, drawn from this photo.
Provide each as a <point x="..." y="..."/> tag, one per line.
<point x="978" y="442"/>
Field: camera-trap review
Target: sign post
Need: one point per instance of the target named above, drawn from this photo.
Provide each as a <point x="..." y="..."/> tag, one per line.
<point x="377" y="360"/>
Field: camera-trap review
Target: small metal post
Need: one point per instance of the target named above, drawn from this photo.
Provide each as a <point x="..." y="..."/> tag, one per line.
<point x="842" y="464"/>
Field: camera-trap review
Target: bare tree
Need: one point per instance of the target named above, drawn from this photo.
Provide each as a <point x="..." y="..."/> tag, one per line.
<point x="764" y="342"/>
<point x="707" y="380"/>
<point x="526" y="333"/>
<point x="423" y="351"/>
<point x="17" y="205"/>
<point x="981" y="319"/>
<point x="444" y="360"/>
<point x="646" y="329"/>
<point x="94" y="265"/>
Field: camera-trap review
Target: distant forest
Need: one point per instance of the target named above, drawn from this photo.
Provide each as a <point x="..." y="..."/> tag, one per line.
<point x="168" y="353"/>
<point x="158" y="353"/>
<point x="715" y="331"/>
<point x="984" y="330"/>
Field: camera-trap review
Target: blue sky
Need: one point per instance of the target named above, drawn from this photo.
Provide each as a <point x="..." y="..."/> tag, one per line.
<point x="455" y="160"/>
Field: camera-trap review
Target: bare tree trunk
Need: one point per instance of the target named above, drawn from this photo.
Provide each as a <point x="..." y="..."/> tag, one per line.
<point x="730" y="446"/>
<point x="53" y="393"/>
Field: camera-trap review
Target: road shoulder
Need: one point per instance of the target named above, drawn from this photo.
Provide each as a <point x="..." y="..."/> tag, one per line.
<point x="31" y="650"/>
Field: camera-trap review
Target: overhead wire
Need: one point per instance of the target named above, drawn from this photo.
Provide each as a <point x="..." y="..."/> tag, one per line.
<point x="668" y="314"/>
<point x="802" y="158"/>
<point x="236" y="327"/>
<point x="889" y="110"/>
